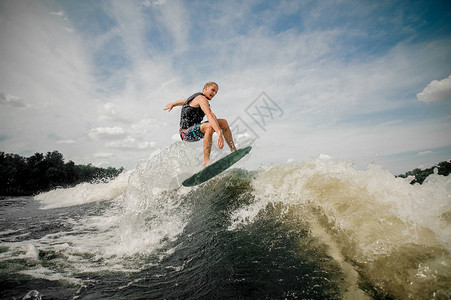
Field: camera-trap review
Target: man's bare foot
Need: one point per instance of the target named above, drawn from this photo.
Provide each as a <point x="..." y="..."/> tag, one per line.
<point x="206" y="163"/>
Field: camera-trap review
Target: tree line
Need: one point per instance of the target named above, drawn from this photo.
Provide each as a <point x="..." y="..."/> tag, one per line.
<point x="443" y="168"/>
<point x="20" y="176"/>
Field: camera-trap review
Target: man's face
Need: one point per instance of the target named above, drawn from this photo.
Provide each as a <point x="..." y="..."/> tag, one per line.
<point x="210" y="91"/>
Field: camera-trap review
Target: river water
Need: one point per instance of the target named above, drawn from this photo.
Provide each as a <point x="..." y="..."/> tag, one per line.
<point x="318" y="229"/>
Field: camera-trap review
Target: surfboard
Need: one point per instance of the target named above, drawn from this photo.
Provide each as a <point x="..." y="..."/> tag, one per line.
<point x="217" y="167"/>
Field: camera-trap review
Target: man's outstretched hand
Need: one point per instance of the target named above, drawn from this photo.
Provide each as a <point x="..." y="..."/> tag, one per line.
<point x="169" y="106"/>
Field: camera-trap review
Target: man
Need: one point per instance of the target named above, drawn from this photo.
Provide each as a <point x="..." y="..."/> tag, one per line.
<point x="191" y="126"/>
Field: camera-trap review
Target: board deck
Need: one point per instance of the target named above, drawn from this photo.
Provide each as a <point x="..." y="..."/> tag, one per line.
<point x="216" y="167"/>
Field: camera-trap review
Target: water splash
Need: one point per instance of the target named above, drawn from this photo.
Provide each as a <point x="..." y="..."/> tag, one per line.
<point x="84" y="193"/>
<point x="397" y="234"/>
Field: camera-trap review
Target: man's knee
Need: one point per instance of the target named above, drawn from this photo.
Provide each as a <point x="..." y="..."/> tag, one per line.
<point x="223" y="123"/>
<point x="207" y="129"/>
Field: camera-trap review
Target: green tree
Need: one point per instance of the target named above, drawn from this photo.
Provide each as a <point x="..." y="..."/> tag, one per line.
<point x="38" y="173"/>
<point x="443" y="168"/>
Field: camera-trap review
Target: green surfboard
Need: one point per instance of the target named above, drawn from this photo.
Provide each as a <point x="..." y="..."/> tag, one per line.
<point x="216" y="167"/>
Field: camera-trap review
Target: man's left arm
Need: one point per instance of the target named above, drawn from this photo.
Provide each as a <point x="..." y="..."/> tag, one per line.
<point x="211" y="117"/>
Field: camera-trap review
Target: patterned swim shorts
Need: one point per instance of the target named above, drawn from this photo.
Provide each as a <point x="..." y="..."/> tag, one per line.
<point x="192" y="134"/>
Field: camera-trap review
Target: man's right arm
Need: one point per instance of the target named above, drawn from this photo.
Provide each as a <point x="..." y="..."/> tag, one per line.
<point x="171" y="105"/>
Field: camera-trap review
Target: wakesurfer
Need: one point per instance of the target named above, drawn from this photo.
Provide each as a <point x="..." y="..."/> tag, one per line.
<point x="192" y="128"/>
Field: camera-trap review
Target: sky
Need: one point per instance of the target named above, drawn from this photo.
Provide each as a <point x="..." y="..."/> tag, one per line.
<point x="367" y="82"/>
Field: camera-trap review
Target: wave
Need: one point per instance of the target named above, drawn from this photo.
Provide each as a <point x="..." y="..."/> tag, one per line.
<point x="395" y="235"/>
<point x="389" y="238"/>
<point x="84" y="193"/>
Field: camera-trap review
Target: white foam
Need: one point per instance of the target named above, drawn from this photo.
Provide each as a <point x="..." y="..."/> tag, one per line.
<point x="145" y="212"/>
<point x="378" y="208"/>
<point x="47" y="274"/>
<point x="150" y="214"/>
<point x="31" y="252"/>
<point x="396" y="234"/>
<point x="84" y="193"/>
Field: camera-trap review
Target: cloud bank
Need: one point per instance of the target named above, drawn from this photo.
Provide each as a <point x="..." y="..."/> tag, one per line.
<point x="91" y="78"/>
<point x="436" y="90"/>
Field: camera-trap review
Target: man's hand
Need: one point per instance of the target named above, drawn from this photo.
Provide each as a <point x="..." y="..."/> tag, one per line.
<point x="169" y="106"/>
<point x="220" y="141"/>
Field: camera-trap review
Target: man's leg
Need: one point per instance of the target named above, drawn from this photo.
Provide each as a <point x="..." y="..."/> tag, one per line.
<point x="224" y="125"/>
<point x="207" y="130"/>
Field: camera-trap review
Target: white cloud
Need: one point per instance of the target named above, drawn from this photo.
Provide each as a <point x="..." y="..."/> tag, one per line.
<point x="174" y="17"/>
<point x="130" y="143"/>
<point x="49" y="69"/>
<point x="57" y="13"/>
<point x="436" y="90"/>
<point x="148" y="3"/>
<point x="112" y="112"/>
<point x="425" y="153"/>
<point x="103" y="155"/>
<point x="130" y="28"/>
<point x="132" y="137"/>
<point x="144" y="126"/>
<point x="107" y="133"/>
<point x="314" y="76"/>
<point x="66" y="142"/>
<point x="12" y="101"/>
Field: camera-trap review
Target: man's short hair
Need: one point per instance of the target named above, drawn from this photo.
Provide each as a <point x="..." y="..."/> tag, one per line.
<point x="210" y="83"/>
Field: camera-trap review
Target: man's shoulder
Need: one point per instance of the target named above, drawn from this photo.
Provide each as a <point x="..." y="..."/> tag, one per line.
<point x="199" y="99"/>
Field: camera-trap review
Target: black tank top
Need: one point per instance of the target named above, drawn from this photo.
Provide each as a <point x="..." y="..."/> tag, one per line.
<point x="191" y="115"/>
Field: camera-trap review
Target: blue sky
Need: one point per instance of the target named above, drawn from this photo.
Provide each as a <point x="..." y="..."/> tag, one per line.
<point x="361" y="81"/>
